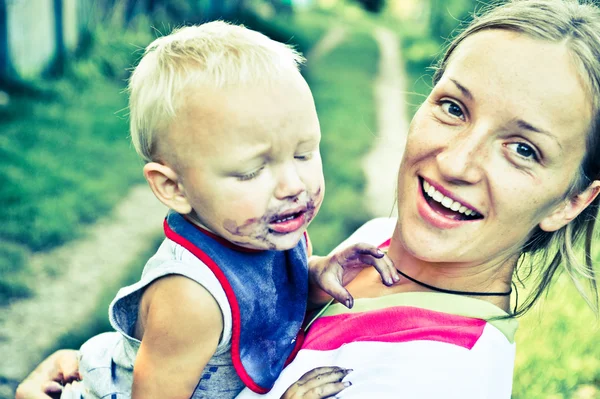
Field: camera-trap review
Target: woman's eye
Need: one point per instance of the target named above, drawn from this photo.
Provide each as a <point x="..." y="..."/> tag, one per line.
<point x="524" y="151"/>
<point x="452" y="109"/>
<point x="251" y="175"/>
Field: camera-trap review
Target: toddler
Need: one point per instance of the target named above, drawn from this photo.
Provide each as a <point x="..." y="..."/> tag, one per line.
<point x="229" y="134"/>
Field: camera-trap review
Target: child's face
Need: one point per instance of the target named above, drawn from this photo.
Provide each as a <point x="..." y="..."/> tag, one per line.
<point x="249" y="162"/>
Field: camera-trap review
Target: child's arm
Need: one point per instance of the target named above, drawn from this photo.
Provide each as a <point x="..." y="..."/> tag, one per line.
<point x="329" y="274"/>
<point x="180" y="334"/>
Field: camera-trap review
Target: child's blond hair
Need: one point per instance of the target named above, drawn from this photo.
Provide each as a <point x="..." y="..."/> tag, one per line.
<point x="215" y="54"/>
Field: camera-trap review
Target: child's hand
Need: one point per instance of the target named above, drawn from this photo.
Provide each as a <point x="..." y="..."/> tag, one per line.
<point x="331" y="273"/>
<point x="47" y="380"/>
<point x="322" y="382"/>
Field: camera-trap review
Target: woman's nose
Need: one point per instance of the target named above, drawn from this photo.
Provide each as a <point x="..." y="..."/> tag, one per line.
<point x="460" y="161"/>
<point x="289" y="183"/>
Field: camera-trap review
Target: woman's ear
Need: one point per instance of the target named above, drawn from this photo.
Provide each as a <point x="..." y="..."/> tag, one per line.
<point x="166" y="186"/>
<point x="570" y="208"/>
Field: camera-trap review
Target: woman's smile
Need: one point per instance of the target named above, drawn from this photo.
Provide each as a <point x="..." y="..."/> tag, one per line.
<point x="442" y="208"/>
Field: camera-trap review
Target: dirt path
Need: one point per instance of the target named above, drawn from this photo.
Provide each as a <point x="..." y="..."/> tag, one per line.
<point x="29" y="328"/>
<point x="330" y="40"/>
<point x="381" y="164"/>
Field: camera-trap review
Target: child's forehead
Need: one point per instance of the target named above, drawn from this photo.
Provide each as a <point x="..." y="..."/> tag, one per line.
<point x="212" y="118"/>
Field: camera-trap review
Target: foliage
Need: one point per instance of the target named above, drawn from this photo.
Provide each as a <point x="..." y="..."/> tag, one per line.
<point x="66" y="154"/>
<point x="557" y="347"/>
<point x="14" y="282"/>
<point x="372" y="5"/>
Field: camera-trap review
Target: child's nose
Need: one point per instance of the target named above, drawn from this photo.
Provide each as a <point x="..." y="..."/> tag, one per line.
<point x="289" y="183"/>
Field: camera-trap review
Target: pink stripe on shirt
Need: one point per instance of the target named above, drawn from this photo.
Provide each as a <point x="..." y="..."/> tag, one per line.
<point x="395" y="324"/>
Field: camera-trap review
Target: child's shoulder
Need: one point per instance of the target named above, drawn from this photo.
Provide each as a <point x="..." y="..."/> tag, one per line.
<point x="177" y="301"/>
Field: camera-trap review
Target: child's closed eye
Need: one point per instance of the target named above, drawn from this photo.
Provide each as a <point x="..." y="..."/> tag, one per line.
<point x="250" y="175"/>
<point x="304" y="156"/>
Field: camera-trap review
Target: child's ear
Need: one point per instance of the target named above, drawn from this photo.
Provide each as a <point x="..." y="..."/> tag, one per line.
<point x="165" y="184"/>
<point x="570" y="208"/>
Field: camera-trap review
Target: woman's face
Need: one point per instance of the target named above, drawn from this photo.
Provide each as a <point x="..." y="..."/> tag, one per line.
<point x="493" y="150"/>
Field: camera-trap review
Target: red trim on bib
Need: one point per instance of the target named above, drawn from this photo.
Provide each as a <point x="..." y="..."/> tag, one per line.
<point x="235" y="309"/>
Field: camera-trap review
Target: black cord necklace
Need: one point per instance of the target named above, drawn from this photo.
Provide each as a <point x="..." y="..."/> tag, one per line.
<point x="431" y="287"/>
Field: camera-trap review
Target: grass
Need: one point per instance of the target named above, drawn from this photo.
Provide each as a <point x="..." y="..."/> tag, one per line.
<point x="342" y="86"/>
<point x="66" y="155"/>
<point x="558" y="355"/>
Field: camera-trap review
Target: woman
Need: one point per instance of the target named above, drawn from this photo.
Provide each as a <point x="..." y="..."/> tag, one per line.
<point x="501" y="167"/>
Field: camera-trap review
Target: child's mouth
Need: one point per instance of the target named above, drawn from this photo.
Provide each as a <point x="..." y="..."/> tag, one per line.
<point x="288" y="222"/>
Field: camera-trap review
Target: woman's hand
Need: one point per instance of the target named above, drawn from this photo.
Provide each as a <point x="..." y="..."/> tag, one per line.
<point x="321" y="382"/>
<point x="48" y="379"/>
<point x="331" y="273"/>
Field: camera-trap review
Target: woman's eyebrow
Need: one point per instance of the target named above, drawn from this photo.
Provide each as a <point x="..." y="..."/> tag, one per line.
<point x="463" y="89"/>
<point x="528" y="126"/>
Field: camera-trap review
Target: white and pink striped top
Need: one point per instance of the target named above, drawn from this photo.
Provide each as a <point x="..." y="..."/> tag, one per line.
<point x="418" y="345"/>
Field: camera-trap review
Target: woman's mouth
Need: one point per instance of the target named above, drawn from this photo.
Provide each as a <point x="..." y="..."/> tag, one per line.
<point x="443" y="211"/>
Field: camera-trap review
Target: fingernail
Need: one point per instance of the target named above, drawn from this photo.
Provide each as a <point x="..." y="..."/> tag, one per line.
<point x="380" y="252"/>
<point x="396" y="278"/>
<point x="348" y="371"/>
<point x="347" y="384"/>
<point x="389" y="281"/>
<point x="348" y="304"/>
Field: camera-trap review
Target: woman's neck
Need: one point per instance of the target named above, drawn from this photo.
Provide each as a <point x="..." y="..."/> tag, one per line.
<point x="483" y="278"/>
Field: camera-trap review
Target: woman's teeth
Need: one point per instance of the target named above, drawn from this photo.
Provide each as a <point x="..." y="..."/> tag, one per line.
<point x="447" y="202"/>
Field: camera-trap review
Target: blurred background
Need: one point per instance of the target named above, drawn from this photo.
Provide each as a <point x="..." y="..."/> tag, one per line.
<point x="67" y="163"/>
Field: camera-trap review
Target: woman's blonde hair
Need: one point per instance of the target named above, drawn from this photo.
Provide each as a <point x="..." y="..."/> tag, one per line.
<point x="577" y="25"/>
<point x="215" y="54"/>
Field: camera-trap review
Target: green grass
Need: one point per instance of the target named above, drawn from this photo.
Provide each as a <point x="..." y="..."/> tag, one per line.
<point x="557" y="346"/>
<point x="342" y="87"/>
<point x="66" y="154"/>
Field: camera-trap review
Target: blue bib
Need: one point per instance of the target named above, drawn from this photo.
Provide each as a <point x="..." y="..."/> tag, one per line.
<point x="267" y="292"/>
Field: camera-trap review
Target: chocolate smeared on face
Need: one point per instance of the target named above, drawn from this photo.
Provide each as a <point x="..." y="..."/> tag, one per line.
<point x="258" y="230"/>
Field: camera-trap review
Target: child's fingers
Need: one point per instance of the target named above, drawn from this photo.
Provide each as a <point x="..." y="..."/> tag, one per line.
<point x="321" y="371"/>
<point x="384" y="266"/>
<point x="368" y="249"/>
<point x="67" y="362"/>
<point x="327" y="390"/>
<point x="324" y="382"/>
<point x="331" y="285"/>
<point x="52" y="387"/>
<point x="321" y="382"/>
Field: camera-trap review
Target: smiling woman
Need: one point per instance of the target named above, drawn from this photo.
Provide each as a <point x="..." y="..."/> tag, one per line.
<point x="501" y="171"/>
<point x="565" y="40"/>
